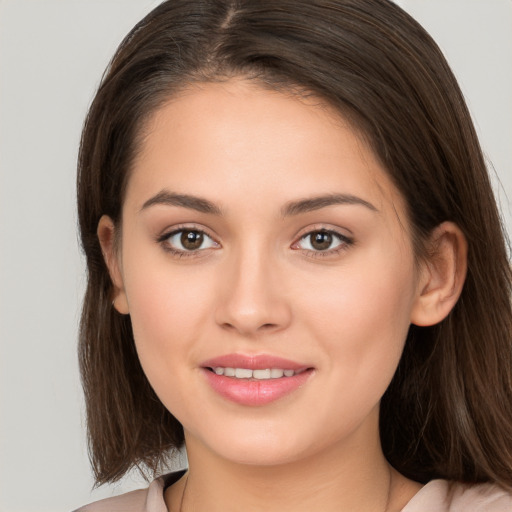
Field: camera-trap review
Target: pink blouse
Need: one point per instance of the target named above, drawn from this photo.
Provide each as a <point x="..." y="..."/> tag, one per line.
<point x="436" y="496"/>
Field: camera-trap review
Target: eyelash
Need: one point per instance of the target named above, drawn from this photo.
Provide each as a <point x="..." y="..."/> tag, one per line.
<point x="344" y="242"/>
<point x="163" y="240"/>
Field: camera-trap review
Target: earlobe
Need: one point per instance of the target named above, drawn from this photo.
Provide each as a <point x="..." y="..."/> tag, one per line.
<point x="442" y="276"/>
<point x="106" y="237"/>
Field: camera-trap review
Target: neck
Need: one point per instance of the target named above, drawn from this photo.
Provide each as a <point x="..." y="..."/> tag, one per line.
<point x="351" y="478"/>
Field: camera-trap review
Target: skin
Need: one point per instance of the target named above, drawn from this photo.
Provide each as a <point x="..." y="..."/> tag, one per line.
<point x="257" y="285"/>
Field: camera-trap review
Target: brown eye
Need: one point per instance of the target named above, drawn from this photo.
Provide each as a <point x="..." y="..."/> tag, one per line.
<point x="191" y="240"/>
<point x="188" y="241"/>
<point x="321" y="240"/>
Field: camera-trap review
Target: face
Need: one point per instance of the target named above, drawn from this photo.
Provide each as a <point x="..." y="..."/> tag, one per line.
<point x="267" y="266"/>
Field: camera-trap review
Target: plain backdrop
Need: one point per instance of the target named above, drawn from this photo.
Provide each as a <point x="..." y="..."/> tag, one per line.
<point x="52" y="55"/>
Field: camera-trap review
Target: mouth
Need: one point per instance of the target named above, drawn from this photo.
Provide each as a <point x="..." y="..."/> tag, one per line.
<point x="255" y="380"/>
<point x="259" y="374"/>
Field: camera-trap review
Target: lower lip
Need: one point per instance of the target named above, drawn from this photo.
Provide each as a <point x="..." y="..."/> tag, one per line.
<point x="255" y="392"/>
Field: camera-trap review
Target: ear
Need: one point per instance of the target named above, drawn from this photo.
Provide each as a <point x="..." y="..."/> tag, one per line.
<point x="442" y="275"/>
<point x="106" y="236"/>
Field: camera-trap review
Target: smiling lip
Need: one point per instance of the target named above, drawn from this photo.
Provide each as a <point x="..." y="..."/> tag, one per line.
<point x="251" y="391"/>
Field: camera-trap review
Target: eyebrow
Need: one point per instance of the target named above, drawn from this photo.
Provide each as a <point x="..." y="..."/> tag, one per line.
<point x="184" y="200"/>
<point x="293" y="208"/>
<point x="316" y="203"/>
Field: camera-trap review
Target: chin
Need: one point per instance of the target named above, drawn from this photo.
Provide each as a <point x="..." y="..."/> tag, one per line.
<point x="257" y="445"/>
<point x="258" y="455"/>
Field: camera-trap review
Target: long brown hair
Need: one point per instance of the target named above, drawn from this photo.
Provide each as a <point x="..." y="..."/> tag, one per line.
<point x="448" y="411"/>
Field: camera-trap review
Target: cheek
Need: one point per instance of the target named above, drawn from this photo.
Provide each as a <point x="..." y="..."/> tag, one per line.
<point x="168" y="309"/>
<point x="362" y="315"/>
<point x="168" y="315"/>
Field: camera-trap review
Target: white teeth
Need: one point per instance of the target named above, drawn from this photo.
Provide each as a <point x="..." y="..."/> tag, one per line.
<point x="245" y="373"/>
<point x="261" y="374"/>
<point x="242" y="373"/>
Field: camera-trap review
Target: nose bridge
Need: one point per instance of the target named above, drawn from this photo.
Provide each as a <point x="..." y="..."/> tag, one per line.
<point x="253" y="298"/>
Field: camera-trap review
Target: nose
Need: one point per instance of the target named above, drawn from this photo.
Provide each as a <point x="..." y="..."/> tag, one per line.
<point x="252" y="295"/>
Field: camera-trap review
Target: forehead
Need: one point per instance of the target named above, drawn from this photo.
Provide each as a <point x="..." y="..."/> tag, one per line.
<point x="234" y="140"/>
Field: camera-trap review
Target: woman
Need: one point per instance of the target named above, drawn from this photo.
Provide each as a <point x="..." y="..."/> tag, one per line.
<point x="296" y="266"/>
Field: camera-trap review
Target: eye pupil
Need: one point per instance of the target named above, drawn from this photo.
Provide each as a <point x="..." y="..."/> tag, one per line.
<point x="321" y="240"/>
<point x="191" y="240"/>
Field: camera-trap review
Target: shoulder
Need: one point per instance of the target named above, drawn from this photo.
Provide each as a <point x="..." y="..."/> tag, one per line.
<point x="480" y="498"/>
<point x="150" y="499"/>
<point x="134" y="501"/>
<point x="444" y="496"/>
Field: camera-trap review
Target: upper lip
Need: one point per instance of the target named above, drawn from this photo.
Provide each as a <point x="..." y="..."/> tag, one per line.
<point x="253" y="362"/>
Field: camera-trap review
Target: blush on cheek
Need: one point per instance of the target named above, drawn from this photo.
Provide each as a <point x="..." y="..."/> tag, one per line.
<point x="167" y="317"/>
<point x="367" y="318"/>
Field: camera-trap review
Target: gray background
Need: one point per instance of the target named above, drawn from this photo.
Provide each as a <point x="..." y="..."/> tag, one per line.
<point x="52" y="54"/>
